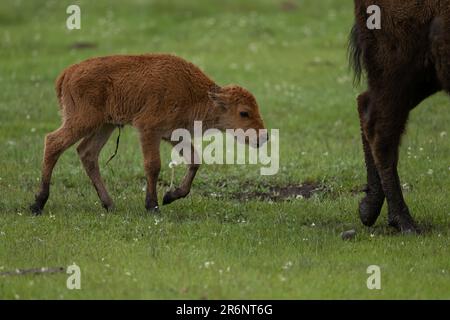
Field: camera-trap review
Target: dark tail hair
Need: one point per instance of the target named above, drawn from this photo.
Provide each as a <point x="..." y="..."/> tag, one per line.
<point x="355" y="54"/>
<point x="117" y="146"/>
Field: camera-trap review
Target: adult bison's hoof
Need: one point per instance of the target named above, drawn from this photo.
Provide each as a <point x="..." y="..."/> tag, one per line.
<point x="36" y="209"/>
<point x="403" y="222"/>
<point x="370" y="209"/>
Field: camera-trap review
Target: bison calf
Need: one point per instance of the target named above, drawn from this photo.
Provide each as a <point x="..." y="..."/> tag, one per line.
<point x="155" y="93"/>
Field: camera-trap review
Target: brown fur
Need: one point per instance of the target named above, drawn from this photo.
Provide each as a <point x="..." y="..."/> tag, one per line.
<point x="155" y="93"/>
<point x="406" y="61"/>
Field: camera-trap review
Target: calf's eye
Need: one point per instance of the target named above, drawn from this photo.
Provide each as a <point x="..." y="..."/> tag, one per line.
<point x="244" y="114"/>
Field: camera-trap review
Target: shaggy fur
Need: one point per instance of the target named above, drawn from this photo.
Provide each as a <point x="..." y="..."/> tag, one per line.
<point x="406" y="61"/>
<point x="155" y="93"/>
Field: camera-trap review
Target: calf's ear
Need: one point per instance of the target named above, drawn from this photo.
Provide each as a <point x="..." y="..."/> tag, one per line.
<point x="219" y="99"/>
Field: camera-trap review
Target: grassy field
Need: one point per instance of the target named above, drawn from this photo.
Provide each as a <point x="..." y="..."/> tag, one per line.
<point x="216" y="243"/>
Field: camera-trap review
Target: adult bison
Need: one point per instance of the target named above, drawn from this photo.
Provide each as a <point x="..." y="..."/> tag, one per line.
<point x="405" y="61"/>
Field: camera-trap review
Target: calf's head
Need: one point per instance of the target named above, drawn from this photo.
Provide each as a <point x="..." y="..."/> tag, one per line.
<point x="238" y="109"/>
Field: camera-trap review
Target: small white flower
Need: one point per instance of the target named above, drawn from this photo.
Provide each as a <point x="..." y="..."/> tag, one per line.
<point x="173" y="164"/>
<point x="288" y="265"/>
<point x="253" y="47"/>
<point x="430" y="172"/>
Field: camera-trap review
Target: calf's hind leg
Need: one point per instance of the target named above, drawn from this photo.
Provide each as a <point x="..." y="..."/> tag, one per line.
<point x="89" y="151"/>
<point x="55" y="144"/>
<point x="370" y="206"/>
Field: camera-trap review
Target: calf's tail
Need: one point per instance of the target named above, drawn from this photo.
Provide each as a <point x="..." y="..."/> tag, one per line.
<point x="58" y="87"/>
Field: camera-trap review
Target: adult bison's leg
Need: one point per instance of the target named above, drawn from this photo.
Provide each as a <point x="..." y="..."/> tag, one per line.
<point x="150" y="143"/>
<point x="386" y="125"/>
<point x="370" y="206"/>
<point x="185" y="187"/>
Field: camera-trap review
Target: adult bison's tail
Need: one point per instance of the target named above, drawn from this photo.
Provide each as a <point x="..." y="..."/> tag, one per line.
<point x="355" y="54"/>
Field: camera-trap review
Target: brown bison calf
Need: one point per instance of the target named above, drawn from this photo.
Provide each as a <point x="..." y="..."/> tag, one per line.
<point x="406" y="61"/>
<point x="155" y="93"/>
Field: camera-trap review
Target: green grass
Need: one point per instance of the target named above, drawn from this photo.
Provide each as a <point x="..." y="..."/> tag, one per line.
<point x="205" y="246"/>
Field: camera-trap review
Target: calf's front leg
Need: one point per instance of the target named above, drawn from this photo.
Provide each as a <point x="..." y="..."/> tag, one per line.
<point x="183" y="190"/>
<point x="150" y="143"/>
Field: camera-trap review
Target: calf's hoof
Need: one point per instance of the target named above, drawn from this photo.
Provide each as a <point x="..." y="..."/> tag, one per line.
<point x="370" y="209"/>
<point x="36" y="209"/>
<point x="174" y="195"/>
<point x="153" y="209"/>
<point x="403" y="222"/>
<point x="168" y="198"/>
<point x="109" y="207"/>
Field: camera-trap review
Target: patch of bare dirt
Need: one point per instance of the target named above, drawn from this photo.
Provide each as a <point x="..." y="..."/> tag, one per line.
<point x="358" y="190"/>
<point x="282" y="193"/>
<point x="288" y="6"/>
<point x="83" y="45"/>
